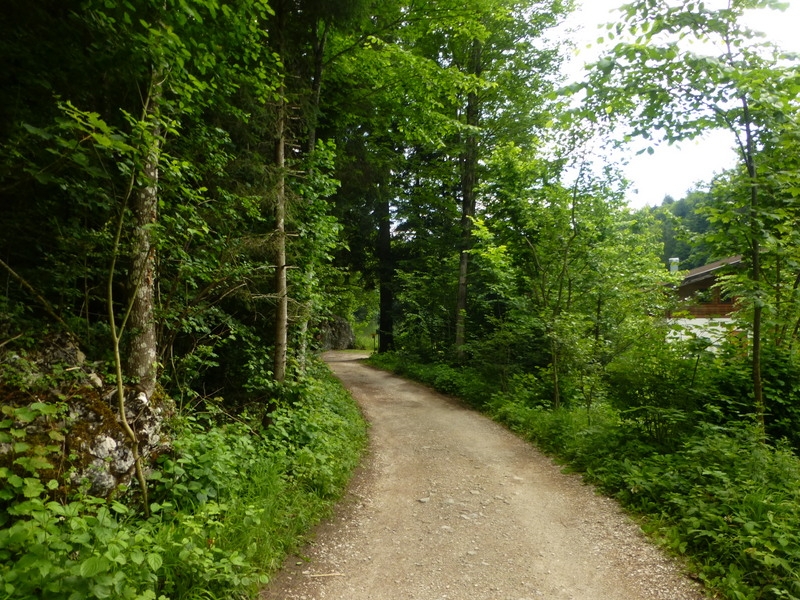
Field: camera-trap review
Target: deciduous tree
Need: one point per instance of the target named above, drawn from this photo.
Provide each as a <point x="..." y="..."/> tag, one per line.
<point x="682" y="68"/>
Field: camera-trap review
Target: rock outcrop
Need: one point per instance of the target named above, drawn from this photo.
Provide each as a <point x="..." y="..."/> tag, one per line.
<point x="96" y="453"/>
<point x="337" y="334"/>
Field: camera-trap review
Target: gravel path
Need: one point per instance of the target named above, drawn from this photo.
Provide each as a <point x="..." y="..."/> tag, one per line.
<point x="449" y="505"/>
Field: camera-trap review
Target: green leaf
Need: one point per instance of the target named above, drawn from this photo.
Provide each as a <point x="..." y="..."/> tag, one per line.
<point x="154" y="561"/>
<point x="33" y="463"/>
<point x="93" y="566"/>
<point x="37" y="132"/>
<point x="33" y="487"/>
<point x="25" y="414"/>
<point x="102" y="591"/>
<point x="119" y="508"/>
<point x="45" y="409"/>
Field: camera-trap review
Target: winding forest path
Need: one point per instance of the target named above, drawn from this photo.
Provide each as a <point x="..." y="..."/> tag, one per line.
<point x="449" y="505"/>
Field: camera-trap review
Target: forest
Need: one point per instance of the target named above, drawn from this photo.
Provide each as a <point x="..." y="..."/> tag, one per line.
<point x="200" y="196"/>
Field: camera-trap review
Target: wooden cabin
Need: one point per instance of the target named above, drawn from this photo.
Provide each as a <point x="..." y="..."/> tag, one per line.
<point x="703" y="298"/>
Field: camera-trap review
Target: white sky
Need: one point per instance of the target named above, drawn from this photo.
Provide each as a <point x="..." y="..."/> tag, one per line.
<point x="673" y="170"/>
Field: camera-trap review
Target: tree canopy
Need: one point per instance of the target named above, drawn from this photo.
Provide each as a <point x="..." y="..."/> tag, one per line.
<point x="196" y="193"/>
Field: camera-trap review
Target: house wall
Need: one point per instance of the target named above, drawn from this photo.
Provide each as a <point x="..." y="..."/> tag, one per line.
<point x="711" y="309"/>
<point x="704" y="300"/>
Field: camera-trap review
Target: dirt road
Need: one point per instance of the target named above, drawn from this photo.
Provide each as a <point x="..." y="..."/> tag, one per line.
<point x="450" y="505"/>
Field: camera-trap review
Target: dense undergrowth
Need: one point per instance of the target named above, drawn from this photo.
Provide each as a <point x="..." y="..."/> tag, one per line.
<point x="707" y="487"/>
<point x="229" y="499"/>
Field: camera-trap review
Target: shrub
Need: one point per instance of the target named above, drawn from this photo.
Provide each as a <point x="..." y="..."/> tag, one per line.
<point x="228" y="502"/>
<point x="716" y="493"/>
<point x="730" y="502"/>
<point x="464" y="382"/>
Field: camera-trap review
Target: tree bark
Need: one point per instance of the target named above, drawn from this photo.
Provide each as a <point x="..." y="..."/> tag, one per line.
<point x="278" y="34"/>
<point x="469" y="166"/>
<point x="556" y="365"/>
<point x="385" y="274"/>
<point x="319" y="42"/>
<point x="143" y="351"/>
<point x="282" y="308"/>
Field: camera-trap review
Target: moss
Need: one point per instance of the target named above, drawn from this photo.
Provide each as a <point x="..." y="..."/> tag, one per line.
<point x="90" y="416"/>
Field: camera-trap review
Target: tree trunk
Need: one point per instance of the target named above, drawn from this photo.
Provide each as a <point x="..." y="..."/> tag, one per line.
<point x="319" y="42"/>
<point x="282" y="308"/>
<point x="556" y="365"/>
<point x="143" y="351"/>
<point x="316" y="82"/>
<point x="755" y="273"/>
<point x="385" y="274"/>
<point x="780" y="318"/>
<point x="469" y="167"/>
